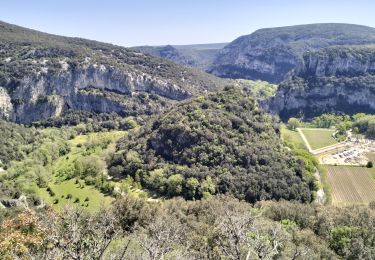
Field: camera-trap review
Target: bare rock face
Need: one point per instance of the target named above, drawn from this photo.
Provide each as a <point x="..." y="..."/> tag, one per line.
<point x="271" y="54"/>
<point x="6" y="107"/>
<point x="335" y="79"/>
<point x="46" y="95"/>
<point x="246" y="62"/>
<point x="339" y="61"/>
<point x="43" y="75"/>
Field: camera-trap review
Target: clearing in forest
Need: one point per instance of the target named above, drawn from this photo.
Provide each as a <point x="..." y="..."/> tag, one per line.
<point x="66" y="190"/>
<point x="292" y="137"/>
<point x="351" y="185"/>
<point x="318" y="137"/>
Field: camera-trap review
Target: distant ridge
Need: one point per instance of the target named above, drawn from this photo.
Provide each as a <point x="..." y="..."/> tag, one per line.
<point x="195" y="55"/>
<point x="43" y="75"/>
<point x="271" y="53"/>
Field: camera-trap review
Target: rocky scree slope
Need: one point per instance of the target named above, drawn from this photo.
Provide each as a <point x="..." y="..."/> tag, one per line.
<point x="270" y="54"/>
<point x="42" y="75"/>
<point x="334" y="79"/>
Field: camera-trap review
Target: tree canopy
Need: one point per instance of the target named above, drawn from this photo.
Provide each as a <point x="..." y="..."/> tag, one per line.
<point x="221" y="143"/>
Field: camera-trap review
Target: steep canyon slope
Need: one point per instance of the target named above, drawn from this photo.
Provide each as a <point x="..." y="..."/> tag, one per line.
<point x="334" y="79"/>
<point x="270" y="54"/>
<point x="43" y="75"/>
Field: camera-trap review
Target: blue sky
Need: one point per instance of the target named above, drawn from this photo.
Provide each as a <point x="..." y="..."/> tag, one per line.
<point x="158" y="22"/>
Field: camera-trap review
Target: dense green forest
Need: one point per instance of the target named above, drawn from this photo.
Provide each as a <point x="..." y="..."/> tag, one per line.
<point x="222" y="143"/>
<point x="86" y="122"/>
<point x="16" y="141"/>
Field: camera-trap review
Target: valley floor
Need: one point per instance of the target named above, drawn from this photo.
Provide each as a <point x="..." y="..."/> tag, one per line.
<point x="349" y="180"/>
<point x="351" y="184"/>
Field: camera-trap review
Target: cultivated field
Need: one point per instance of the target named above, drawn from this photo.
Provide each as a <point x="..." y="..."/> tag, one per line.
<point x="351" y="185"/>
<point x="318" y="138"/>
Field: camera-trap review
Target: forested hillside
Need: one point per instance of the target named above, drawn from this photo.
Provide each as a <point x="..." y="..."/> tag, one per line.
<point x="16" y="141"/>
<point x="222" y="143"/>
<point x="110" y="153"/>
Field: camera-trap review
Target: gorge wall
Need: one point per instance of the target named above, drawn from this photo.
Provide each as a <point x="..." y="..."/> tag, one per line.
<point x="335" y="79"/>
<point x="43" y="75"/>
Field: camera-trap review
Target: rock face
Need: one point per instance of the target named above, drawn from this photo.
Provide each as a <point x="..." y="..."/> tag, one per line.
<point x="47" y="95"/>
<point x="335" y="79"/>
<point x="270" y="54"/>
<point x="6" y="106"/>
<point x="339" y="61"/>
<point x="42" y="75"/>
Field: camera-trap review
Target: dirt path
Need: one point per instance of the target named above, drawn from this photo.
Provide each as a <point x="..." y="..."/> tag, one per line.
<point x="320" y="150"/>
<point x="329" y="148"/>
<point x="305" y="140"/>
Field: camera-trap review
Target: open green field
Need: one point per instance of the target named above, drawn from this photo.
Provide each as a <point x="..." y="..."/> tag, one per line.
<point x="319" y="138"/>
<point x="94" y="146"/>
<point x="292" y="137"/>
<point x="96" y="199"/>
<point x="351" y="185"/>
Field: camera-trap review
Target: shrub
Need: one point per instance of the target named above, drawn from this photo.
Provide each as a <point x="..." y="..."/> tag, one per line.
<point x="50" y="191"/>
<point x="369" y="164"/>
<point x="55" y="201"/>
<point x="89" y="180"/>
<point x="69" y="196"/>
<point x="76" y="200"/>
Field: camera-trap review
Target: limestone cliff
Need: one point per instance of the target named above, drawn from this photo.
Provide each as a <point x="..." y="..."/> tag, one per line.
<point x="270" y="54"/>
<point x="42" y="75"/>
<point x="335" y="79"/>
<point x="6" y="106"/>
